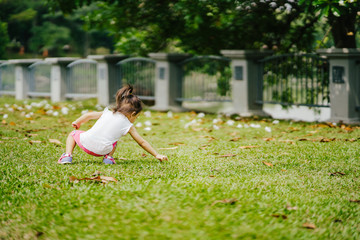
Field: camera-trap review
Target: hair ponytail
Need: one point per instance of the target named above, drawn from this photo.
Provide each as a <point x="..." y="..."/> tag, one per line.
<point x="126" y="102"/>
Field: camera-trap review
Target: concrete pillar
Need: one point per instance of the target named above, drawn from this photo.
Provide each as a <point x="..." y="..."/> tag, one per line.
<point x="168" y="80"/>
<point x="344" y="83"/>
<point x="246" y="80"/>
<point x="106" y="76"/>
<point x="22" y="76"/>
<point x="58" y="77"/>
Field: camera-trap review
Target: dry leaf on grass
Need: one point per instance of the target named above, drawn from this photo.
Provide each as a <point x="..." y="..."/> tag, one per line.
<point x="227" y="155"/>
<point x="283" y="216"/>
<point x="34" y="141"/>
<point x="327" y="139"/>
<point x="226" y="201"/>
<point x="177" y="143"/>
<point x="336" y="173"/>
<point x="268" y="139"/>
<point x="309" y="225"/>
<point x="355" y="200"/>
<point x="171" y="148"/>
<point x="235" y="139"/>
<point x="268" y="164"/>
<point x="98" y="178"/>
<point x="291" y="208"/>
<point x="248" y="147"/>
<point x="55" y="141"/>
<point x="12" y="124"/>
<point x="143" y="155"/>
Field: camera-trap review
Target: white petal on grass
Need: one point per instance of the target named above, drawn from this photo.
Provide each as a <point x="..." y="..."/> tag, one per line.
<point x="215" y="127"/>
<point x="147" y="123"/>
<point x="268" y="129"/>
<point x="5" y="116"/>
<point x="55" y="114"/>
<point x="147" y="129"/>
<point x="255" y="125"/>
<point x="64" y="110"/>
<point x="6" y="105"/>
<point x="49" y="112"/>
<point x="215" y="121"/>
<point x="230" y="122"/>
<point x="201" y="115"/>
<point x="138" y="125"/>
<point x="147" y="114"/>
<point x="10" y="109"/>
<point x="169" y="114"/>
<point x="28" y="107"/>
<point x="239" y="125"/>
<point x="246" y="126"/>
<point x="190" y="123"/>
<point x="27" y="116"/>
<point x="84" y="111"/>
<point x="276" y="122"/>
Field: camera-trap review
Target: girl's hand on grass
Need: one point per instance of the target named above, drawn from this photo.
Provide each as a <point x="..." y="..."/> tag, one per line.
<point x="161" y="158"/>
<point x="76" y="125"/>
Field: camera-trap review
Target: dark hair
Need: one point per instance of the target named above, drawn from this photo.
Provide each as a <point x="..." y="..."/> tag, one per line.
<point x="126" y="102"/>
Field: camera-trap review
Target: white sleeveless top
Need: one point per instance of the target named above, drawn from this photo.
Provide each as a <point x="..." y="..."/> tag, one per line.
<point x="106" y="131"/>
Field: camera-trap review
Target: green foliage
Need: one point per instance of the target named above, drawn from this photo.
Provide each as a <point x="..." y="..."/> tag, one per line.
<point x="4" y="38"/>
<point x="199" y="27"/>
<point x="51" y="37"/>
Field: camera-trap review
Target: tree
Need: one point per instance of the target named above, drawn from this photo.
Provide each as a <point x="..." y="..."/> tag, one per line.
<point x="4" y="38"/>
<point x="201" y="27"/>
<point x="342" y="17"/>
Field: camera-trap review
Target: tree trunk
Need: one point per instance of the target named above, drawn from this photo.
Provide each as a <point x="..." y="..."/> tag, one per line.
<point x="343" y="29"/>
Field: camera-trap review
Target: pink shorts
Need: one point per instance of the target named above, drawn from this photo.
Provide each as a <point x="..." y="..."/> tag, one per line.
<point x="76" y="135"/>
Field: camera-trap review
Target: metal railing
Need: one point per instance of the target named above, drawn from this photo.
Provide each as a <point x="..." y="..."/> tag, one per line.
<point x="206" y="78"/>
<point x="140" y="73"/>
<point x="81" y="79"/>
<point x="292" y="79"/>
<point x="7" y="79"/>
<point x="39" y="79"/>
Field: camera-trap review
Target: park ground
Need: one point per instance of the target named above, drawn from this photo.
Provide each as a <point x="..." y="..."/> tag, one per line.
<point x="226" y="178"/>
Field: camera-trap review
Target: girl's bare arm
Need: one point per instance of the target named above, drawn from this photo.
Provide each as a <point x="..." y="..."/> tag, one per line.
<point x="86" y="117"/>
<point x="145" y="145"/>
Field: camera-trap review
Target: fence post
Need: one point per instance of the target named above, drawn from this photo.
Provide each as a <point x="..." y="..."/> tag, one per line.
<point x="106" y="76"/>
<point x="58" y="77"/>
<point x="22" y="76"/>
<point x="168" y="80"/>
<point x="344" y="84"/>
<point x="245" y="80"/>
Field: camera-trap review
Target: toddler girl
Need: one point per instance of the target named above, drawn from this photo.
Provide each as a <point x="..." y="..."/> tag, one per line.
<point x="101" y="139"/>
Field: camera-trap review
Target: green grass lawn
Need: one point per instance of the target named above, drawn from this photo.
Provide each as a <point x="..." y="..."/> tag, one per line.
<point x="214" y="185"/>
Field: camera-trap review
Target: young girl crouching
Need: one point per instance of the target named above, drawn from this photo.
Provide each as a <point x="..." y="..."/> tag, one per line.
<point x="101" y="139"/>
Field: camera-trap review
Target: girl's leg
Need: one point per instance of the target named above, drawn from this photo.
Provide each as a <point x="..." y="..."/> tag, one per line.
<point x="70" y="144"/>
<point x="113" y="151"/>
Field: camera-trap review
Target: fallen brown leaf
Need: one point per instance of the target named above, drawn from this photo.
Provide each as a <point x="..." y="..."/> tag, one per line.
<point x="177" y="143"/>
<point x="248" y="147"/>
<point x="290" y="208"/>
<point x="3" y="121"/>
<point x="303" y="139"/>
<point x="336" y="173"/>
<point x="355" y="200"/>
<point x="327" y="139"/>
<point x="227" y="155"/>
<point x="268" y="164"/>
<point x="12" y="124"/>
<point x="34" y="141"/>
<point x="171" y="148"/>
<point x="283" y="216"/>
<point x="235" y="139"/>
<point x="226" y="201"/>
<point x="98" y="178"/>
<point x="143" y="155"/>
<point x="55" y="141"/>
<point x="309" y="225"/>
<point x="268" y="139"/>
